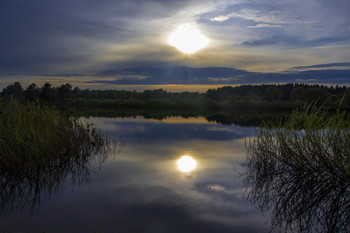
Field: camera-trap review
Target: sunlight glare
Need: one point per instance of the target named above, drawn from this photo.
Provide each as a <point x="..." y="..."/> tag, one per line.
<point x="186" y="163"/>
<point x="188" y="39"/>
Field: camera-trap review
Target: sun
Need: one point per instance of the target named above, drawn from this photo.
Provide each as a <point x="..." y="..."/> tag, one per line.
<point x="186" y="163"/>
<point x="188" y="39"/>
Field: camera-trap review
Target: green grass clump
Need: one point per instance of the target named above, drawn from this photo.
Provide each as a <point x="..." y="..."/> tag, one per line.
<point x="299" y="171"/>
<point x="41" y="148"/>
<point x="311" y="138"/>
<point x="31" y="134"/>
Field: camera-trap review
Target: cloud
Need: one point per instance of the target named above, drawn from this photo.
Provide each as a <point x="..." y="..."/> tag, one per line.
<point x="169" y="74"/>
<point x="220" y="18"/>
<point x="327" y="66"/>
<point x="224" y="80"/>
<point x="264" y="25"/>
<point x="261" y="17"/>
<point x="220" y="188"/>
<point x="288" y="25"/>
<point x="278" y="39"/>
<point x="296" y="41"/>
<point x="152" y="77"/>
<point x="88" y="37"/>
<point x="183" y="75"/>
<point x="65" y="36"/>
<point x="270" y="17"/>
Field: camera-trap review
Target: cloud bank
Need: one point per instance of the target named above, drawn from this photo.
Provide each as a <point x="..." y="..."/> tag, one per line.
<point x="84" y="38"/>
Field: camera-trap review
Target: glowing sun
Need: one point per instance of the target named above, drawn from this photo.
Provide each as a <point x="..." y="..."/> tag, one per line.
<point x="186" y="163"/>
<point x="188" y="39"/>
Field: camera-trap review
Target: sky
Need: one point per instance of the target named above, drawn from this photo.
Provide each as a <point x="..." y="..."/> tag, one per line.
<point x="125" y="44"/>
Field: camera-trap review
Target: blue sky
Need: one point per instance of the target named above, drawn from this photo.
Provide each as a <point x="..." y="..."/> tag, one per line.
<point x="99" y="43"/>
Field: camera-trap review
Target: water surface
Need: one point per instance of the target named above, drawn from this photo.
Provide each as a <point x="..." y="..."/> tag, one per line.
<point x="144" y="187"/>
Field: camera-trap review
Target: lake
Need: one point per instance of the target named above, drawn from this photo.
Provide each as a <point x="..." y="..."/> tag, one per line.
<point x="172" y="175"/>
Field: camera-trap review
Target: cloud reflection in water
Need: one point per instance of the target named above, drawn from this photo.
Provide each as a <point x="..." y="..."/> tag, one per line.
<point x="142" y="187"/>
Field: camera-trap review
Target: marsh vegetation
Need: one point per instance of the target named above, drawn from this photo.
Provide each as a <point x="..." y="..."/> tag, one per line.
<point x="299" y="171"/>
<point x="41" y="148"/>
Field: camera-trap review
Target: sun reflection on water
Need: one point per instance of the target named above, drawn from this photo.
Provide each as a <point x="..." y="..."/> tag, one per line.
<point x="186" y="163"/>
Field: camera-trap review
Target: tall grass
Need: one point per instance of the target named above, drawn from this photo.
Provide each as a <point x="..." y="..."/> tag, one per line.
<point x="40" y="148"/>
<point x="300" y="170"/>
<point x="32" y="133"/>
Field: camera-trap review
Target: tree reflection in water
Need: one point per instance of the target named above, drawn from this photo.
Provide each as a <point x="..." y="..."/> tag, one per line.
<point x="27" y="183"/>
<point x="302" y="175"/>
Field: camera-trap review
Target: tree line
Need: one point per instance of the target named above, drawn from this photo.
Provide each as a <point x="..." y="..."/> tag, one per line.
<point x="34" y="93"/>
<point x="65" y="92"/>
<point x="281" y="92"/>
<point x="268" y="95"/>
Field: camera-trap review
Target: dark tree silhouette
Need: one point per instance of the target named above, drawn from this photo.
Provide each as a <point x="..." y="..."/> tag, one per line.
<point x="271" y="96"/>
<point x="64" y="92"/>
<point x="347" y="97"/>
<point x="317" y="94"/>
<point x="273" y="93"/>
<point x="13" y="91"/>
<point x="32" y="92"/>
<point x="297" y="93"/>
<point x="47" y="93"/>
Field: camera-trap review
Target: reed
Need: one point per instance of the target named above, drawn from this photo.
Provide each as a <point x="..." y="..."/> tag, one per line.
<point x="299" y="171"/>
<point x="34" y="134"/>
<point x="41" y="148"/>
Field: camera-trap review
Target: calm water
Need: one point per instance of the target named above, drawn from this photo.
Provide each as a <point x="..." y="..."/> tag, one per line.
<point x="144" y="187"/>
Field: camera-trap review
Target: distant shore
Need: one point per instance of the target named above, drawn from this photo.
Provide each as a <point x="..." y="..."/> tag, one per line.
<point x="226" y="98"/>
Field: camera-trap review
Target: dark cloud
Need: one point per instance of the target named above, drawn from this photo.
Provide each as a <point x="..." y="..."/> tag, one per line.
<point x="331" y="40"/>
<point x="222" y="75"/>
<point x="329" y="65"/>
<point x="281" y="39"/>
<point x="88" y="37"/>
<point x="323" y="76"/>
<point x="37" y="33"/>
<point x="295" y="41"/>
<point x="34" y="34"/>
<point x="176" y="75"/>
